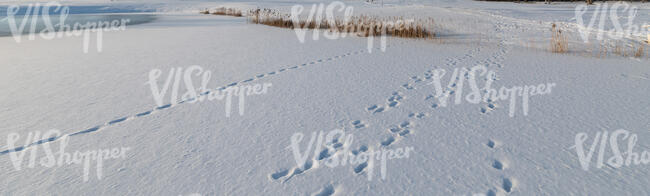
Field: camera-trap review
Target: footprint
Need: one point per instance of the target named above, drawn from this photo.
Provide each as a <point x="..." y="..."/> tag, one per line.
<point x="307" y="165"/>
<point x="395" y="98"/>
<point x="163" y="107"/>
<point x="418" y="115"/>
<point x="508" y="185"/>
<point x="404" y="124"/>
<point x="325" y="191"/>
<point x="375" y="109"/>
<point x="337" y="145"/>
<point x="498" y="165"/>
<point x="323" y="154"/>
<point x="404" y="133"/>
<point x="408" y="87"/>
<point x="279" y="174"/>
<point x="362" y="148"/>
<point x="86" y="131"/>
<point x="388" y="141"/>
<point x="484" y="110"/>
<point x="394" y="129"/>
<point x="490" y="106"/>
<point x="360" y="167"/>
<point x="47" y="140"/>
<point x="143" y="113"/>
<point x="397" y="95"/>
<point x="358" y="124"/>
<point x="117" y="120"/>
<point x="296" y="171"/>
<point x="492" y="144"/>
<point x="378" y="110"/>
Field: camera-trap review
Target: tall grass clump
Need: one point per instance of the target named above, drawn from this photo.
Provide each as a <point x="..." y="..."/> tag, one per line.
<point x="227" y="12"/>
<point x="559" y="43"/>
<point x="639" y="52"/>
<point x="363" y="26"/>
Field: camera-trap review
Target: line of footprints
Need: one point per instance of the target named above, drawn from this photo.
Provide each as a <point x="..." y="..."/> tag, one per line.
<point x="507" y="184"/>
<point x="167" y="106"/>
<point x="403" y="129"/>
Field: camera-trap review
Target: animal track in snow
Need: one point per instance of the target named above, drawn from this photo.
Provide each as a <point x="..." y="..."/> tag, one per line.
<point x="358" y="124"/>
<point x="508" y="185"/>
<point x="404" y="124"/>
<point x="490" y="106"/>
<point x="279" y="174"/>
<point x="288" y="174"/>
<point x="389" y="140"/>
<point x="299" y="170"/>
<point x="164" y="107"/>
<point x="117" y="120"/>
<point x="325" y="191"/>
<point x="404" y="132"/>
<point x="359" y="168"/>
<point x="493" y="144"/>
<point x="418" y="115"/>
<point x="375" y="109"/>
<point x="392" y="101"/>
<point x="499" y="165"/>
<point x="404" y="129"/>
<point x="362" y="148"/>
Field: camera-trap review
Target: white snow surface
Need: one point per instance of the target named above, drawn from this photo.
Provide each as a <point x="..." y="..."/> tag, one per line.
<point x="322" y="85"/>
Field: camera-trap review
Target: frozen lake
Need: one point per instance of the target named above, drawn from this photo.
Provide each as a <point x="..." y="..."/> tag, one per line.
<point x="26" y="19"/>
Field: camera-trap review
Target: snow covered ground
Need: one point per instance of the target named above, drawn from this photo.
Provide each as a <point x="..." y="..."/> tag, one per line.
<point x="102" y="101"/>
